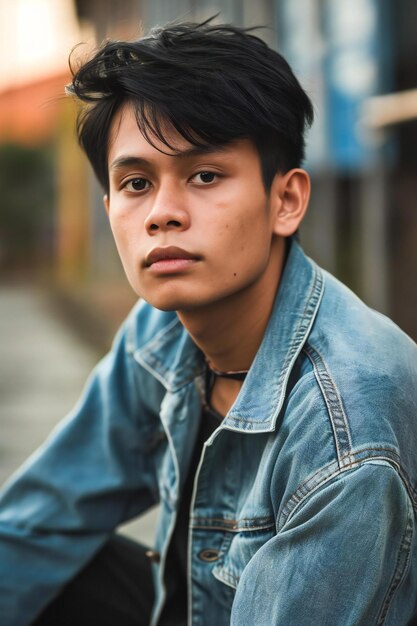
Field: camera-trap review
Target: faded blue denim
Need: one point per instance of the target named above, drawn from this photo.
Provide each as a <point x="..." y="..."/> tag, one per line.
<point x="307" y="490"/>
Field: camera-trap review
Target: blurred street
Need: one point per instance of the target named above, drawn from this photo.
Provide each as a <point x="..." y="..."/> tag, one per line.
<point x="43" y="367"/>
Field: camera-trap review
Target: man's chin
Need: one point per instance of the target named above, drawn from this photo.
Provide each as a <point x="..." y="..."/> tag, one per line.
<point x="175" y="296"/>
<point x="175" y="304"/>
<point x="166" y="308"/>
<point x="165" y="304"/>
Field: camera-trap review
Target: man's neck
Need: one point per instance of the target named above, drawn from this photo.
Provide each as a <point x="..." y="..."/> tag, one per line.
<point x="230" y="332"/>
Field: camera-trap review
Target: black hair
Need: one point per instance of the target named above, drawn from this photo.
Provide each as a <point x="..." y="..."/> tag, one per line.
<point x="212" y="83"/>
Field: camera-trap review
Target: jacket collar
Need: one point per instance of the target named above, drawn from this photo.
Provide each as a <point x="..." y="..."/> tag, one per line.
<point x="262" y="395"/>
<point x="173" y="358"/>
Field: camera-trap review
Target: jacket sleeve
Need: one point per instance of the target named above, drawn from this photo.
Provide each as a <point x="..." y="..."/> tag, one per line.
<point x="89" y="476"/>
<point x="340" y="559"/>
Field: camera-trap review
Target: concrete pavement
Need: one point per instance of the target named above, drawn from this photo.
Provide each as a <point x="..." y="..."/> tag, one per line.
<point x="43" y="367"/>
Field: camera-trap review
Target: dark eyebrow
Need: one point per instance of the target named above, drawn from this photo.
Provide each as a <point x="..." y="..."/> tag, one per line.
<point x="136" y="161"/>
<point x="128" y="161"/>
<point x="196" y="151"/>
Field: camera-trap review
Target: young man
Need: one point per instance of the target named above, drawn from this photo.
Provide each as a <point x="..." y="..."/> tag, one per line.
<point x="265" y="407"/>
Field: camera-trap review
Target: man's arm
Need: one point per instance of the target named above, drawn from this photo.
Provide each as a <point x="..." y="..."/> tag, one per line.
<point x="90" y="476"/>
<point x="342" y="558"/>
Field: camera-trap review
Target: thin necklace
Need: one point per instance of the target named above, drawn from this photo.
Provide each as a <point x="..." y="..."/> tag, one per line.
<point x="210" y="378"/>
<point x="235" y="374"/>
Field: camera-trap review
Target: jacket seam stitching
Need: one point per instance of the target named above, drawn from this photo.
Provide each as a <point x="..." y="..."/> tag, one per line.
<point x="399" y="571"/>
<point x="334" y="405"/>
<point x="231" y="529"/>
<point x="394" y="459"/>
<point x="301" y="494"/>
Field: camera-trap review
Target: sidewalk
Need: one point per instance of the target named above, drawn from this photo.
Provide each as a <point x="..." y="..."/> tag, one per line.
<point x="43" y="367"/>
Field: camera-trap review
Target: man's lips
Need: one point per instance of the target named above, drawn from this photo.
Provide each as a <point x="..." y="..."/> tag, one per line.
<point x="170" y="253"/>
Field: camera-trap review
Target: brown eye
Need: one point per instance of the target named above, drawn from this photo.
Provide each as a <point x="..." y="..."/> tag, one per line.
<point x="137" y="184"/>
<point x="206" y="177"/>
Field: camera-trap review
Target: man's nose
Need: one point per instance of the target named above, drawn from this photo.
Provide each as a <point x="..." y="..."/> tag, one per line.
<point x="168" y="212"/>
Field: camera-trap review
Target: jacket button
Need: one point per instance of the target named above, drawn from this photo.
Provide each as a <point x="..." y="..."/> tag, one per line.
<point x="154" y="557"/>
<point x="209" y="555"/>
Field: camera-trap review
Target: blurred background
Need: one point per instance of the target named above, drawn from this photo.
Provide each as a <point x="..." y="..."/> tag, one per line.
<point x="62" y="289"/>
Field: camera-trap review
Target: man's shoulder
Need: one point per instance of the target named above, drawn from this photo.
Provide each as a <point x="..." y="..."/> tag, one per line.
<point x="352" y="398"/>
<point x="365" y="368"/>
<point x="354" y="337"/>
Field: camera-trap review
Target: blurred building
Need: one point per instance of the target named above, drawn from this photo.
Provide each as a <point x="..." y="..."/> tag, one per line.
<point x="36" y="37"/>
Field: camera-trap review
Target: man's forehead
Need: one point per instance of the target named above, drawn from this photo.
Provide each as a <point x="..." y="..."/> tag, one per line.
<point x="128" y="135"/>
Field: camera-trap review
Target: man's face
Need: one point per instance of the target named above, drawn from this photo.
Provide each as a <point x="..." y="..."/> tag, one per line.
<point x="191" y="229"/>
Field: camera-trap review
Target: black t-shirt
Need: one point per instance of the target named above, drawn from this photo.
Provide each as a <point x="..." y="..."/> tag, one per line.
<point x="175" y="609"/>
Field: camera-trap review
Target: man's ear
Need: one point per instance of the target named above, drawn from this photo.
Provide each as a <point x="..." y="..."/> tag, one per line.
<point x="290" y="194"/>
<point x="106" y="203"/>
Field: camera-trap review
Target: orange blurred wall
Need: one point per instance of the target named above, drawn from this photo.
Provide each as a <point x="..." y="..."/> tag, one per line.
<point x="29" y="111"/>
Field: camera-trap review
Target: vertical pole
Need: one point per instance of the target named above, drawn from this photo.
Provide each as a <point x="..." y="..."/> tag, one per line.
<point x="374" y="249"/>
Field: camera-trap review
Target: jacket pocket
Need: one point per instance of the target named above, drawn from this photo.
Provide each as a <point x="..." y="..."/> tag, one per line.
<point x="242" y="546"/>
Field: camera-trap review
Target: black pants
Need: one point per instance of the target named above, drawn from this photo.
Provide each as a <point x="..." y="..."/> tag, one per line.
<point x="114" y="589"/>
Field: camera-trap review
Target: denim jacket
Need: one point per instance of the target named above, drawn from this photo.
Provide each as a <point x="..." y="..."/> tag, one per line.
<point x="303" y="511"/>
